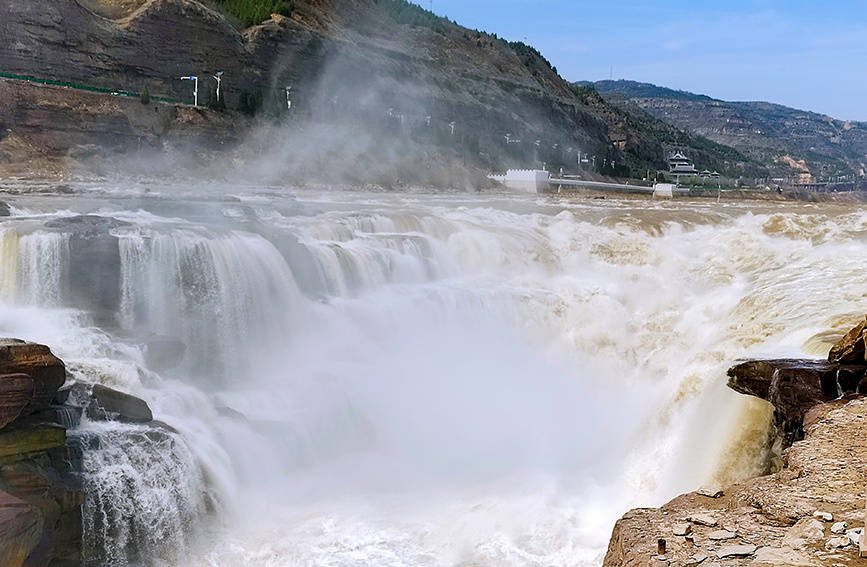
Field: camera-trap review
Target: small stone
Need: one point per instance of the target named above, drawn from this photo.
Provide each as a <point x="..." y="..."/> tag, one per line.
<point x="805" y="531"/>
<point x="702" y="520"/>
<point x="854" y="535"/>
<point x="721" y="535"/>
<point x="839" y="528"/>
<point x="710" y="492"/>
<point x="736" y="551"/>
<point x="682" y="529"/>
<point x="838" y="543"/>
<point x="824" y="516"/>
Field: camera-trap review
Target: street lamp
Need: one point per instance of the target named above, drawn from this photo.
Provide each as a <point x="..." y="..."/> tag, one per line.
<point x="219" y="77"/>
<point x="452" y="127"/>
<point x="195" y="88"/>
<point x="288" y="100"/>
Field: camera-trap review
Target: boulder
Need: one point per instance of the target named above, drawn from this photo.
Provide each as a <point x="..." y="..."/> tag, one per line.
<point x="5" y="211"/>
<point x="20" y="530"/>
<point x="850" y="349"/>
<point x="16" y="391"/>
<point x="37" y="361"/>
<point x="805" y="531"/>
<point x="105" y="404"/>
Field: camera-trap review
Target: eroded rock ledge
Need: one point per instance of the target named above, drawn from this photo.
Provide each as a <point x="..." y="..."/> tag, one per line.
<point x="41" y="488"/>
<point x="810" y="513"/>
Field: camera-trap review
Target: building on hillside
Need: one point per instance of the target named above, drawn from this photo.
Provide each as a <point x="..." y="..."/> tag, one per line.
<point x="679" y="164"/>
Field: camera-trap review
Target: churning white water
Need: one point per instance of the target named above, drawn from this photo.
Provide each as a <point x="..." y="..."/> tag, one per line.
<point x="415" y="379"/>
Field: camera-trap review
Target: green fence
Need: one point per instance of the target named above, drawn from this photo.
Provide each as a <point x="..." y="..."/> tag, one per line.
<point x="87" y="87"/>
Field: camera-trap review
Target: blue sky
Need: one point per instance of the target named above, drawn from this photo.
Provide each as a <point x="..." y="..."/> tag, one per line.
<point x="806" y="54"/>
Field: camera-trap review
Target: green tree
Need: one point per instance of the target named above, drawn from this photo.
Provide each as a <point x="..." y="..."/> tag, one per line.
<point x="145" y="95"/>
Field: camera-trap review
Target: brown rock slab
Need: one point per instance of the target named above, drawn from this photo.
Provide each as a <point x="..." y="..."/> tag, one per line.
<point x="850" y="349"/>
<point x="22" y="438"/>
<point x="682" y="529"/>
<point x="16" y="391"/>
<point x="720" y="535"/>
<point x="37" y="361"/>
<point x="702" y="520"/>
<point x="727" y="551"/>
<point x="20" y="530"/>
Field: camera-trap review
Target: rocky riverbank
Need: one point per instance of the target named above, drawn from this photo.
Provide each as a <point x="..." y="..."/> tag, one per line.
<point x="41" y="477"/>
<point x="809" y="513"/>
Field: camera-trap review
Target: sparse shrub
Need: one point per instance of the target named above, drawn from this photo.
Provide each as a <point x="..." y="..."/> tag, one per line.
<point x="145" y="95"/>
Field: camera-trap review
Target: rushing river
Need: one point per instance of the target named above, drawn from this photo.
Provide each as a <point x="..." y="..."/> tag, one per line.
<point x="416" y="379"/>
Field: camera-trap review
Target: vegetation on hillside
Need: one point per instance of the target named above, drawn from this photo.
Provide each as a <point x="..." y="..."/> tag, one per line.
<point x="410" y="14"/>
<point x="252" y="12"/>
<point x="650" y="138"/>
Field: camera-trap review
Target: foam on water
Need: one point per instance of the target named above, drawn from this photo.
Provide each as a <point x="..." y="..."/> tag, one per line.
<point x="419" y="380"/>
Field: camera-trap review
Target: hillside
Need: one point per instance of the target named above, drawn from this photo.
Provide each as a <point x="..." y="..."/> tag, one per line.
<point x="642" y="137"/>
<point x="789" y="141"/>
<point x="381" y="87"/>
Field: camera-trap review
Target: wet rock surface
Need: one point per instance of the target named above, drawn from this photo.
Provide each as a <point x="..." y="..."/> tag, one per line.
<point x="793" y="386"/>
<point x="93" y="279"/>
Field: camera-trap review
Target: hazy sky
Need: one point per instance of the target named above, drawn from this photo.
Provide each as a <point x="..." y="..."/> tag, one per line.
<point x="805" y="54"/>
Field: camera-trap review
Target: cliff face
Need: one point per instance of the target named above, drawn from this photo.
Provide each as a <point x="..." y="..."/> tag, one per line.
<point x="342" y="58"/>
<point x="787" y="140"/>
<point x="442" y="93"/>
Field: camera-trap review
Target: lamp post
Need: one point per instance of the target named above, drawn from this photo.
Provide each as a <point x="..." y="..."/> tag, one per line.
<point x="219" y="78"/>
<point x="288" y="100"/>
<point x="195" y="88"/>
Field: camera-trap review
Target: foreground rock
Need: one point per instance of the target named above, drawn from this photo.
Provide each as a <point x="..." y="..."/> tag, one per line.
<point x="20" y="530"/>
<point x="794" y="386"/>
<point x="106" y="404"/>
<point x="46" y="371"/>
<point x="772" y="516"/>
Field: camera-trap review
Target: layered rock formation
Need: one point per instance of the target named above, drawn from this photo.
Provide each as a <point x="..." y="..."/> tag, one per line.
<point x="41" y="484"/>
<point x="810" y="513"/>
<point x="40" y="494"/>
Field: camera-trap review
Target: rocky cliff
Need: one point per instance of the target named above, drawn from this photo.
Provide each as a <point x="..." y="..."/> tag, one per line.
<point x="809" y="513"/>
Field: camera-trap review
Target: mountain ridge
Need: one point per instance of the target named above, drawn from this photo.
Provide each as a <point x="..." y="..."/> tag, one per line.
<point x="793" y="143"/>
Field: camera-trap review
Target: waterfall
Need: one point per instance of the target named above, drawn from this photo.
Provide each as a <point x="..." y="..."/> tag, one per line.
<point x="419" y="379"/>
<point x="144" y="495"/>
